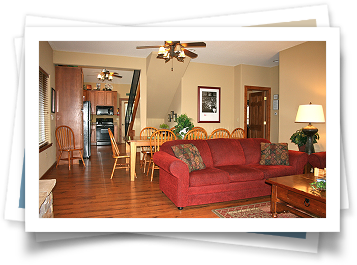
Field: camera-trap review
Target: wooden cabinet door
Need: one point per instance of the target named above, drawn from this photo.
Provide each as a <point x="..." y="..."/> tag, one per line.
<point x="115" y="101"/>
<point x="109" y="98"/>
<point x="100" y="100"/>
<point x="91" y="96"/>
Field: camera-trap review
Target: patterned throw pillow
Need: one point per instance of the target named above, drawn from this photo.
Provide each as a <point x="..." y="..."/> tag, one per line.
<point x="274" y="154"/>
<point x="189" y="154"/>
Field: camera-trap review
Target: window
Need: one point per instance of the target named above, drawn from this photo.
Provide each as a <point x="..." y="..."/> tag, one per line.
<point x="44" y="114"/>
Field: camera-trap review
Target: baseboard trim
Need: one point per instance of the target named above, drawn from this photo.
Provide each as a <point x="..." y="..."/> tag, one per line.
<point x="48" y="170"/>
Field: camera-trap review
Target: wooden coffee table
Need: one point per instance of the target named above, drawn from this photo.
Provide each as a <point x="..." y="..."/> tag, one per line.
<point x="293" y="193"/>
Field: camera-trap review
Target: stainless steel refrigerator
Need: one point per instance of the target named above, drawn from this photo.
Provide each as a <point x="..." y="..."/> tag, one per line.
<point x="86" y="129"/>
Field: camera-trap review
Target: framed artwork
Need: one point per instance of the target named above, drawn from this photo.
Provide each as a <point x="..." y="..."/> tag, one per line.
<point x="209" y="104"/>
<point x="53" y="100"/>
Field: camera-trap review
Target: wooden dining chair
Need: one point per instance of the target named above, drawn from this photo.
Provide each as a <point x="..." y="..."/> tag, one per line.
<point x="238" y="133"/>
<point x="196" y="134"/>
<point x="117" y="155"/>
<point x="145" y="134"/>
<point x="66" y="143"/>
<point x="157" y="139"/>
<point x="197" y="127"/>
<point x="220" y="133"/>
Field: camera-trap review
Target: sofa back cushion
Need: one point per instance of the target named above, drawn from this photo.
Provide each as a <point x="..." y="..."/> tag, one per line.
<point x="251" y="148"/>
<point x="201" y="146"/>
<point x="226" y="152"/>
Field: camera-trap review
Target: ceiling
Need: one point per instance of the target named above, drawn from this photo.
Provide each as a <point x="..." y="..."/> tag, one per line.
<point x="230" y="53"/>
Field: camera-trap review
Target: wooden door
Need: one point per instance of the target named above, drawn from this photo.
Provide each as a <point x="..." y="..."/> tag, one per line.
<point x="256" y="115"/>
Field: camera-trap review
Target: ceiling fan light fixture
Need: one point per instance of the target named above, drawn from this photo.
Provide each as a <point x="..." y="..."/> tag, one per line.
<point x="178" y="48"/>
<point x="166" y="54"/>
<point x="182" y="54"/>
<point x="161" y="50"/>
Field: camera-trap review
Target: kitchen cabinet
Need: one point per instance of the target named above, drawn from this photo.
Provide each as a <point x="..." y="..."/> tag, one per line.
<point x="101" y="98"/>
<point x="91" y="96"/>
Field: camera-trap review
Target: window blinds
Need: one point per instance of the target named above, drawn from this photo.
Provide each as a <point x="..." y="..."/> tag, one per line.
<point x="44" y="109"/>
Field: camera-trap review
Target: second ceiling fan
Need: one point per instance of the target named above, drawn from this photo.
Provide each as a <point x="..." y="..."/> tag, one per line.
<point x="107" y="75"/>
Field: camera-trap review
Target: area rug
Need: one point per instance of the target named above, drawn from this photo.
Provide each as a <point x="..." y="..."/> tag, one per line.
<point x="255" y="210"/>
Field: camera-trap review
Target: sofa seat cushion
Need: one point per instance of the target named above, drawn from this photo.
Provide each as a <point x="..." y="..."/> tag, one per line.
<point x="226" y="152"/>
<point x="274" y="171"/>
<point x="242" y="173"/>
<point x="208" y="176"/>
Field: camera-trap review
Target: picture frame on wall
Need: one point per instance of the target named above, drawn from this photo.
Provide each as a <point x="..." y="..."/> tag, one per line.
<point x="209" y="104"/>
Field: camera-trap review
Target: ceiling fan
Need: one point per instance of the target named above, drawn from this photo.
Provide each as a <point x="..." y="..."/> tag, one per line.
<point x="175" y="49"/>
<point x="107" y="75"/>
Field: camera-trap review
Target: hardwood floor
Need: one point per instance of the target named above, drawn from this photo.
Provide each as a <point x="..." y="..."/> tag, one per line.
<point x="88" y="192"/>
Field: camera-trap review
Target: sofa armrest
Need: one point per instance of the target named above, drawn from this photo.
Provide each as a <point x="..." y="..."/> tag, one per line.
<point x="298" y="160"/>
<point x="171" y="164"/>
<point x="174" y="178"/>
<point x="318" y="160"/>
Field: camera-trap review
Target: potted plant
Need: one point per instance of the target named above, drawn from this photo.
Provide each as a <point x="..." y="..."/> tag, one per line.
<point x="299" y="138"/>
<point x="164" y="126"/>
<point x="184" y="124"/>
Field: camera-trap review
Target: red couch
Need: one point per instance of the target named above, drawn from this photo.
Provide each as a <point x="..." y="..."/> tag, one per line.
<point x="232" y="171"/>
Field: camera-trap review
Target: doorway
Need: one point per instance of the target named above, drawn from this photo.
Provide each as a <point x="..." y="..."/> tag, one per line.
<point x="257" y="111"/>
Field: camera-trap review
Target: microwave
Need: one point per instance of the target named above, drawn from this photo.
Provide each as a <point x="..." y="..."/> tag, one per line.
<point x="104" y="110"/>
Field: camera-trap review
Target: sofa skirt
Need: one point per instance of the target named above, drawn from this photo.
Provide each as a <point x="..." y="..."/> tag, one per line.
<point x="170" y="186"/>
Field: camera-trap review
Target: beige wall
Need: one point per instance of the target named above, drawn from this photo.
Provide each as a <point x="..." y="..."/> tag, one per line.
<point x="175" y="106"/>
<point x="302" y="80"/>
<point x="48" y="157"/>
<point x="198" y="74"/>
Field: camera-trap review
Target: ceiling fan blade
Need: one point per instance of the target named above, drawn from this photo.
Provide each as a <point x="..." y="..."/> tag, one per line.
<point x="148" y="47"/>
<point x="190" y="54"/>
<point x="194" y="44"/>
<point x="118" y="76"/>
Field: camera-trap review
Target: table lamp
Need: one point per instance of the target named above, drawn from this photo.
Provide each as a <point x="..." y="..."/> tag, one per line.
<point x="310" y="113"/>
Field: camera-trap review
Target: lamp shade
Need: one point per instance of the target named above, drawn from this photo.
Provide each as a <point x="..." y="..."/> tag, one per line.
<point x="310" y="113"/>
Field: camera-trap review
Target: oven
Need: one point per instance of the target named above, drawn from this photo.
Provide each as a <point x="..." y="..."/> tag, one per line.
<point x="102" y="134"/>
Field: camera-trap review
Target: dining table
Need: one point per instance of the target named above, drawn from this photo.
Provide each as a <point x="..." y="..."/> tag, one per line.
<point x="131" y="146"/>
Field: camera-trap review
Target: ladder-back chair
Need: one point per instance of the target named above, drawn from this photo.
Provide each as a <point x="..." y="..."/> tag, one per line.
<point x="196" y="134"/>
<point x="238" y="133"/>
<point x="220" y="133"/>
<point x="145" y="134"/>
<point x="117" y="155"/>
<point x="66" y="143"/>
<point x="157" y="139"/>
